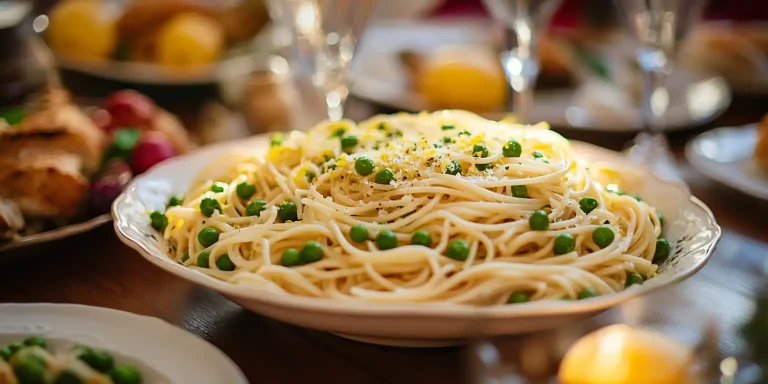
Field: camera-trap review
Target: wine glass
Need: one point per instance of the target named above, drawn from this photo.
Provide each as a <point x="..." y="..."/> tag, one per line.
<point x="325" y="34"/>
<point x="523" y="22"/>
<point x="658" y="26"/>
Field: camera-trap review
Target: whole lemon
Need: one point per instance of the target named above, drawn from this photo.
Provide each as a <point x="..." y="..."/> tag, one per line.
<point x="462" y="78"/>
<point x="82" y="29"/>
<point x="618" y="354"/>
<point x="189" y="39"/>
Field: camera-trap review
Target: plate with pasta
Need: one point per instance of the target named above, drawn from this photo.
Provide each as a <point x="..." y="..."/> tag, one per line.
<point x="406" y="229"/>
<point x="71" y="344"/>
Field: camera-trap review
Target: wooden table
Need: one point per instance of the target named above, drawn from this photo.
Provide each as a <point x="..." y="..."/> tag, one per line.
<point x="97" y="269"/>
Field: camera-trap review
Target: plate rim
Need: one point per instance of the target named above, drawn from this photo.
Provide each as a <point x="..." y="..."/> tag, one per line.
<point x="129" y="316"/>
<point x="59" y="233"/>
<point x="698" y="162"/>
<point x="393" y="310"/>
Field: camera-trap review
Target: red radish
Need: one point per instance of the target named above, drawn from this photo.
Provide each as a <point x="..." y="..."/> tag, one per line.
<point x="130" y="109"/>
<point x="109" y="185"/>
<point x="150" y="150"/>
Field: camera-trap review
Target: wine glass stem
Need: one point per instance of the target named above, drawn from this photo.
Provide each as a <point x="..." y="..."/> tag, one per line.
<point x="521" y="67"/>
<point x="655" y="101"/>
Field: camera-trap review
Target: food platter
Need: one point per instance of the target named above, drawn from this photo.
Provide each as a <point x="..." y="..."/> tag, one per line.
<point x="726" y="155"/>
<point x="690" y="226"/>
<point x="695" y="96"/>
<point x="166" y="354"/>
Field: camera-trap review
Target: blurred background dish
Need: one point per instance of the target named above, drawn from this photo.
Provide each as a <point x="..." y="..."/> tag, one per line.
<point x="738" y="52"/>
<point x="583" y="84"/>
<point x="61" y="166"/>
<point x="734" y="156"/>
<point x="156" y="42"/>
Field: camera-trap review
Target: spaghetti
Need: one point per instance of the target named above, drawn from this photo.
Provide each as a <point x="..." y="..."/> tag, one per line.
<point x="430" y="207"/>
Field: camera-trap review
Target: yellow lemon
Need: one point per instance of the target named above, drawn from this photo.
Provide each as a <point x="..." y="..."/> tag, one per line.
<point x="468" y="78"/>
<point x="189" y="39"/>
<point x="82" y="29"/>
<point x="619" y="354"/>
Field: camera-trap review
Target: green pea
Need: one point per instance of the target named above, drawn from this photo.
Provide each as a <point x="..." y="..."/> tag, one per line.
<point x="158" y="220"/>
<point x="349" y="142"/>
<point x="454" y="168"/>
<point x="447" y="140"/>
<point x="175" y="200"/>
<point x="364" y="166"/>
<point x="290" y="258"/>
<point x="385" y="176"/>
<point x="185" y="257"/>
<point x="518" y="297"/>
<point x="537" y="155"/>
<point x="358" y="233"/>
<point x="218" y="187"/>
<point x="98" y="360"/>
<point x="203" y="259"/>
<point x="564" y="243"/>
<point x="520" y="191"/>
<point x="35" y="341"/>
<point x="480" y="150"/>
<point x="587" y="204"/>
<point x="68" y="377"/>
<point x="208" y="236"/>
<point x="30" y="370"/>
<point x="634" y="278"/>
<point x="587" y="293"/>
<point x="386" y="239"/>
<point x="603" y="236"/>
<point x="125" y="374"/>
<point x="663" y="249"/>
<point x="5" y="353"/>
<point x="421" y="237"/>
<point x="255" y="208"/>
<point x="539" y="221"/>
<point x="286" y="211"/>
<point x="512" y="149"/>
<point x="458" y="250"/>
<point x="311" y="252"/>
<point x="245" y="190"/>
<point x="208" y="205"/>
<point x="447" y="127"/>
<point x="224" y="263"/>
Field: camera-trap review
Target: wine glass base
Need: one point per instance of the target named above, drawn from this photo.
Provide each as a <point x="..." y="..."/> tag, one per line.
<point x="652" y="151"/>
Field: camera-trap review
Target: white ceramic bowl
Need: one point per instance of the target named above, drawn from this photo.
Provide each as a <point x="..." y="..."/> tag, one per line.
<point x="163" y="353"/>
<point x="690" y="227"/>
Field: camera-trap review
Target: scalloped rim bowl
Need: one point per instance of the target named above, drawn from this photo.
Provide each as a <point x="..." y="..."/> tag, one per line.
<point x="690" y="226"/>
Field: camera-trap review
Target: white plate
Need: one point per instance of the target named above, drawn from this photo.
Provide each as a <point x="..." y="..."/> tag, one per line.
<point x="695" y="98"/>
<point x="164" y="353"/>
<point x="727" y="155"/>
<point x="690" y="227"/>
